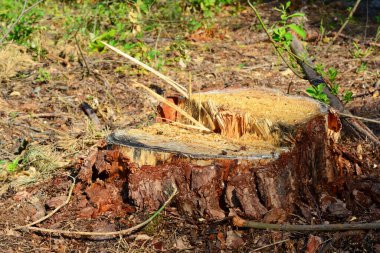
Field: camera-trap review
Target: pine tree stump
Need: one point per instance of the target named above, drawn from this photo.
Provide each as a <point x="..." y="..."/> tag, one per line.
<point x="266" y="152"/>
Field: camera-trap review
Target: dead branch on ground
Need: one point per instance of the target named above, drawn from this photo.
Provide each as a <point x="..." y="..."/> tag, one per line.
<point x="239" y="222"/>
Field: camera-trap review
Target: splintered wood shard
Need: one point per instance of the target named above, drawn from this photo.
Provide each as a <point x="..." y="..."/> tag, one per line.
<point x="173" y="106"/>
<point x="182" y="90"/>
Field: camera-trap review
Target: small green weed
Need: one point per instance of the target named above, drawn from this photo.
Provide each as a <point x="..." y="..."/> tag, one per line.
<point x="362" y="67"/>
<point x="347" y="96"/>
<point x="318" y="93"/>
<point x="281" y="30"/>
<point x="331" y="75"/>
<point x="43" y="76"/>
<point x="358" y="52"/>
<point x="10" y="166"/>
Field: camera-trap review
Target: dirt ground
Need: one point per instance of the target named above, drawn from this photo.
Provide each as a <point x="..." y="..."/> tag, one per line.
<point x="45" y="117"/>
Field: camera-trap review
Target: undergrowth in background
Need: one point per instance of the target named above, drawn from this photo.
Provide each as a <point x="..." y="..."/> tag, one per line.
<point x="126" y="24"/>
<point x="136" y="26"/>
<point x="281" y="35"/>
<point x="26" y="25"/>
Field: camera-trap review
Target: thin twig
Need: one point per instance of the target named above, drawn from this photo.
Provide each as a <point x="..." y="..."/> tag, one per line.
<point x="53" y="212"/>
<point x="156" y="45"/>
<point x="23" y="12"/>
<point x="270" y="245"/>
<point x="276" y="47"/>
<point x="110" y="234"/>
<point x="358" y="117"/>
<point x="81" y="53"/>
<point x="174" y="84"/>
<point x="239" y="222"/>
<point x="344" y="25"/>
<point x="44" y="115"/>
<point x="178" y="109"/>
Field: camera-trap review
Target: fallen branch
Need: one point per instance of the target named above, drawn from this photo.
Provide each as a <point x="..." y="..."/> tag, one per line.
<point x="81" y="53"/>
<point x="44" y="115"/>
<point x="239" y="222"/>
<point x="28" y="226"/>
<point x="358" y="117"/>
<point x="110" y="234"/>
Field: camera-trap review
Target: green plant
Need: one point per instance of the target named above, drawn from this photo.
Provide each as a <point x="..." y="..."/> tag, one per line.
<point x="322" y="29"/>
<point x="358" y="52"/>
<point x="317" y="92"/>
<point x="281" y="30"/>
<point x="16" y="25"/>
<point x="362" y="67"/>
<point x="194" y="25"/>
<point x="208" y="7"/>
<point x="10" y="166"/>
<point x="43" y="76"/>
<point x="331" y="75"/>
<point x="347" y="96"/>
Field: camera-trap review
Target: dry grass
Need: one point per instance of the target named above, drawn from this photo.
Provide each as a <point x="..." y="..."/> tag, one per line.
<point x="44" y="158"/>
<point x="13" y="59"/>
<point x="90" y="135"/>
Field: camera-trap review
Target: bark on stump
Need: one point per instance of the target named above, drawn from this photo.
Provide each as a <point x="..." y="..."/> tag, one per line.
<point x="267" y="154"/>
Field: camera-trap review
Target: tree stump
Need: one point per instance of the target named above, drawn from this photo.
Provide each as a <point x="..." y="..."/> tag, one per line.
<point x="266" y="154"/>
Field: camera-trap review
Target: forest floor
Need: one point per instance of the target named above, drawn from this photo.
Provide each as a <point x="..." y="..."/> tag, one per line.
<point x="44" y="133"/>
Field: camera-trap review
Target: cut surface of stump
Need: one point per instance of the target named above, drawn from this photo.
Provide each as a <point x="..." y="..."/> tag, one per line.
<point x="263" y="154"/>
